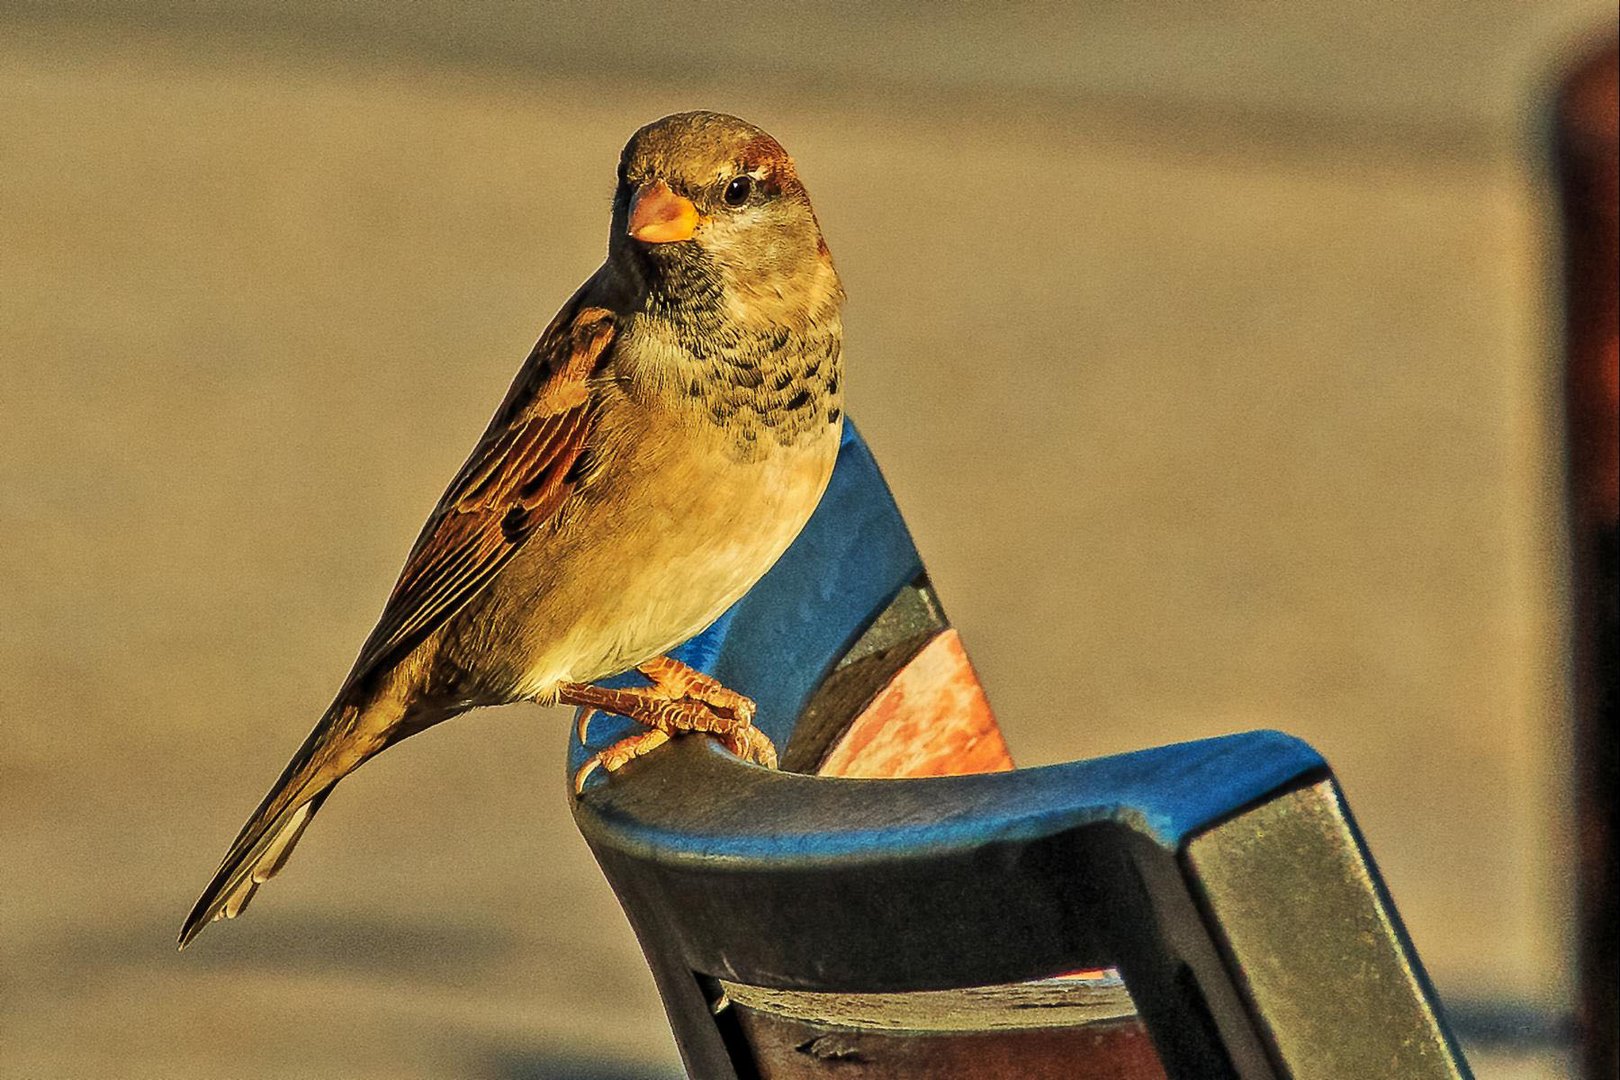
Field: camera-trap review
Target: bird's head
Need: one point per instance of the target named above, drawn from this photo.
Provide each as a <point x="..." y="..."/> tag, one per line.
<point x="710" y="203"/>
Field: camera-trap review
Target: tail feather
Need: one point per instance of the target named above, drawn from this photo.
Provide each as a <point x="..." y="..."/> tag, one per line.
<point x="230" y="892"/>
<point x="275" y="856"/>
<point x="264" y="843"/>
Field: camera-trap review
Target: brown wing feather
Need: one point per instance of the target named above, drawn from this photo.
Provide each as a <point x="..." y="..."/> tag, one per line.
<point x="516" y="478"/>
<point x="518" y="475"/>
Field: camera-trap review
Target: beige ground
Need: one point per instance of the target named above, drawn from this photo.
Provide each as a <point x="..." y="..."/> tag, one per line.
<point x="1209" y="357"/>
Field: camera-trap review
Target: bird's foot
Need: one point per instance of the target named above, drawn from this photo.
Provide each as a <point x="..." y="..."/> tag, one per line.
<point x="683" y="682"/>
<point x="620" y="754"/>
<point x="681" y="699"/>
<point x="678" y="680"/>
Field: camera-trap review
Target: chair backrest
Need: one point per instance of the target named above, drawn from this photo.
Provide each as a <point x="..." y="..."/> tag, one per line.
<point x="1224" y="879"/>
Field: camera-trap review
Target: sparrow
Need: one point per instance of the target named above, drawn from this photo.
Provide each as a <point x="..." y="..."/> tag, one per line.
<point x="663" y="444"/>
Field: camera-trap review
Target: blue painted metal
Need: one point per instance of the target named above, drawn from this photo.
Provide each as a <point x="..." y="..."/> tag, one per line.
<point x="1166" y="795"/>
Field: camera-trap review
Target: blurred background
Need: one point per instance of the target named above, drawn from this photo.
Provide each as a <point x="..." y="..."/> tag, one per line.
<point x="1211" y="351"/>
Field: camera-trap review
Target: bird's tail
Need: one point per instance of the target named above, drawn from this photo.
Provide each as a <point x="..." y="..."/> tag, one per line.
<point x="261" y="848"/>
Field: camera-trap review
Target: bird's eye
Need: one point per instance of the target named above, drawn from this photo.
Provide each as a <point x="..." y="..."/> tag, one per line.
<point x="738" y="190"/>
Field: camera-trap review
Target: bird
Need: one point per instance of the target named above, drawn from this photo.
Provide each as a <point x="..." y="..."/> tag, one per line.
<point x="661" y="446"/>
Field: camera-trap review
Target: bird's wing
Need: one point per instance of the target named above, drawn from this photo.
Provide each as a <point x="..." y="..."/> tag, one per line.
<point x="518" y="475"/>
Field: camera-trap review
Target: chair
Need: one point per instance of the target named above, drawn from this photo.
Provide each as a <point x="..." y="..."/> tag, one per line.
<point x="1223" y="879"/>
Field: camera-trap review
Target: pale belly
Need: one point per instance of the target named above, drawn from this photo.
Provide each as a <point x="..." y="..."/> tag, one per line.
<point x="649" y="557"/>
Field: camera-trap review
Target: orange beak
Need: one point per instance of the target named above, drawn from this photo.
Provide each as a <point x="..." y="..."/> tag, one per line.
<point x="659" y="216"/>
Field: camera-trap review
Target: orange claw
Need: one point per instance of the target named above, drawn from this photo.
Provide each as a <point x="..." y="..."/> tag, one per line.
<point x="619" y="755"/>
<point x="681" y="699"/>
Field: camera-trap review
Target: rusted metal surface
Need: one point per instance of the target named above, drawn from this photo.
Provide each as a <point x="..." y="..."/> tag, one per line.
<point x="790" y="1049"/>
<point x="1045" y="1028"/>
<point x="930" y="719"/>
<point x="1040" y="1003"/>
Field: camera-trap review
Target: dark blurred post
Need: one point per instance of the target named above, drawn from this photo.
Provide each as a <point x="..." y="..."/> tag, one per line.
<point x="1588" y="106"/>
